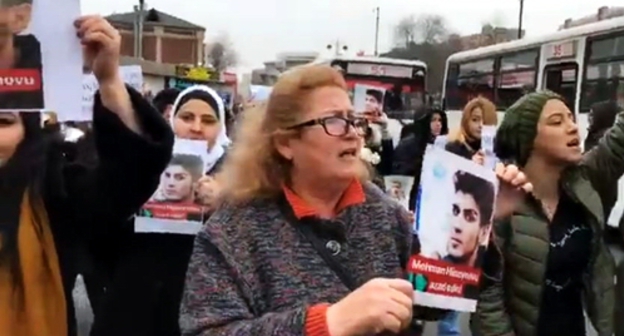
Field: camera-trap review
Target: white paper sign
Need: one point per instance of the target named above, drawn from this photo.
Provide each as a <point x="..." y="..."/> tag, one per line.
<point x="45" y="75"/>
<point x="368" y="98"/>
<point x="453" y="222"/>
<point x="488" y="133"/>
<point x="131" y="74"/>
<point x="440" y="141"/>
<point x="174" y="208"/>
<point x="398" y="187"/>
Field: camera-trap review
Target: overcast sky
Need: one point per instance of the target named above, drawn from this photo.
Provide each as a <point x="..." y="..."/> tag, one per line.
<point x="261" y="28"/>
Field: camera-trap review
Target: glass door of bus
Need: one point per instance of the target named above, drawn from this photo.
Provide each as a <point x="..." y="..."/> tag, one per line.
<point x="562" y="79"/>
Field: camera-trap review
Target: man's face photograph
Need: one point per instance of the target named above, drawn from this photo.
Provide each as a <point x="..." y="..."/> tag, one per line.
<point x="372" y="104"/>
<point x="466" y="232"/>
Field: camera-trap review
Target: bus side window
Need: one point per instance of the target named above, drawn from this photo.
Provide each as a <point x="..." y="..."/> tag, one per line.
<point x="467" y="81"/>
<point x="604" y="71"/>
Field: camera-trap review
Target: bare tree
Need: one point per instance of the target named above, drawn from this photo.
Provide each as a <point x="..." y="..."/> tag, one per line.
<point x="432" y="28"/>
<point x="405" y="31"/>
<point x="221" y="54"/>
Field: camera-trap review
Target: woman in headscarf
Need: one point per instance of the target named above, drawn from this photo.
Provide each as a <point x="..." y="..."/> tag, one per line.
<point x="145" y="293"/>
<point x="429" y="122"/>
<point x="49" y="207"/>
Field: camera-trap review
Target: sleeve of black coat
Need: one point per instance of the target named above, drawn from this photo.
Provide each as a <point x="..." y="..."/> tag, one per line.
<point x="387" y="156"/>
<point x="129" y="165"/>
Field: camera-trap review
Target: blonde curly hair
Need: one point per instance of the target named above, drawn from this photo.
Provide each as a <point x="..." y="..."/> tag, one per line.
<point x="253" y="167"/>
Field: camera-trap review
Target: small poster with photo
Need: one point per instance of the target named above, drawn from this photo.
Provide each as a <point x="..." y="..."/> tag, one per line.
<point x="488" y="133"/>
<point x="453" y="223"/>
<point x="40" y="57"/>
<point x="174" y="207"/>
<point x="368" y="98"/>
<point x="398" y="187"/>
<point x="131" y="75"/>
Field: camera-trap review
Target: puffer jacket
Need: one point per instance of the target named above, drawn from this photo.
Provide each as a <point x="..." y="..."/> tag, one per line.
<point x="509" y="303"/>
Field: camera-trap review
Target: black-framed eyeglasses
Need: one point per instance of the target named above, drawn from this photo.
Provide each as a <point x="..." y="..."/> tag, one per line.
<point x="337" y="126"/>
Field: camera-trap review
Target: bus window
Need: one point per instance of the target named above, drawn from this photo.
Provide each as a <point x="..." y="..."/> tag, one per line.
<point x="604" y="71"/>
<point x="562" y="79"/>
<point x="517" y="77"/>
<point x="467" y="81"/>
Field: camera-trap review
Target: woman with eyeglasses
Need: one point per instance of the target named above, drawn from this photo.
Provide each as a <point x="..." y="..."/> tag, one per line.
<point x="302" y="242"/>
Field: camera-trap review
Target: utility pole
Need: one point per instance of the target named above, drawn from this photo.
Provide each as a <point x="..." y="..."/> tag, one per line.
<point x="377" y="9"/>
<point x="520" y="19"/>
<point x="139" y="12"/>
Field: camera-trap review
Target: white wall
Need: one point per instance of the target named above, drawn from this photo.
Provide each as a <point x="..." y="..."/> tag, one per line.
<point x="154" y="83"/>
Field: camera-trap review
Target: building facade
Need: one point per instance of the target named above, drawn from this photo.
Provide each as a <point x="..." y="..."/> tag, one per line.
<point x="603" y="13"/>
<point x="283" y="62"/>
<point x="165" y="38"/>
<point x="489" y="35"/>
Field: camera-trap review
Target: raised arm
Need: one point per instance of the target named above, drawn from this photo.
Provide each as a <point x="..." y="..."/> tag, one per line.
<point x="604" y="164"/>
<point x="129" y="163"/>
<point x="217" y="300"/>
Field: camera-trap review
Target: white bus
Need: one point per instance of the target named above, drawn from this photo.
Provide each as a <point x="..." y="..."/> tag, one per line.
<point x="404" y="81"/>
<point x="584" y="64"/>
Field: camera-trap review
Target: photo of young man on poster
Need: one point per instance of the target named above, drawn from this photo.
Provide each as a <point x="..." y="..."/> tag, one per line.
<point x="471" y="219"/>
<point x="20" y="58"/>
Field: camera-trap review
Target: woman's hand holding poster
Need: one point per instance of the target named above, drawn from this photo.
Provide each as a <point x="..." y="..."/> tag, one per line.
<point x="453" y="224"/>
<point x="175" y="206"/>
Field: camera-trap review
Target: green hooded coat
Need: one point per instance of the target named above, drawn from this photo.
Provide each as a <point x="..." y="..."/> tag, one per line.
<point x="510" y="304"/>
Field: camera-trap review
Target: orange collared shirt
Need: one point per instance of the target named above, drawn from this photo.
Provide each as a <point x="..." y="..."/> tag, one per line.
<point x="352" y="196"/>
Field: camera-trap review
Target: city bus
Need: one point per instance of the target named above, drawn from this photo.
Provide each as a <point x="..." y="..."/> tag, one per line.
<point x="404" y="81"/>
<point x="584" y="64"/>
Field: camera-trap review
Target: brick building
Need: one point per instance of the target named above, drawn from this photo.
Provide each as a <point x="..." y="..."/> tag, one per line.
<point x="166" y="38"/>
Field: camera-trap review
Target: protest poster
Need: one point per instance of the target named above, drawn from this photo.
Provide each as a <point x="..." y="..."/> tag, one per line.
<point x="440" y="141"/>
<point x="368" y="98"/>
<point x="398" y="187"/>
<point x="453" y="223"/>
<point x="131" y="74"/>
<point x="174" y="207"/>
<point x="488" y="133"/>
<point x="41" y="59"/>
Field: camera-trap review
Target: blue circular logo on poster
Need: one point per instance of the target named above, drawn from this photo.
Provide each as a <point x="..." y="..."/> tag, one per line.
<point x="439" y="172"/>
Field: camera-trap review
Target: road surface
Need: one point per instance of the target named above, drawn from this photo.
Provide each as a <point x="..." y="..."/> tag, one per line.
<point x="431" y="329"/>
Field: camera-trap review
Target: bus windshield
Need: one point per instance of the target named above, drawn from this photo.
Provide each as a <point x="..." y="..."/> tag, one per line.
<point x="405" y="85"/>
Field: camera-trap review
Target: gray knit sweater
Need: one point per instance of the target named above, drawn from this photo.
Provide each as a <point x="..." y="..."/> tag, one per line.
<point x="252" y="273"/>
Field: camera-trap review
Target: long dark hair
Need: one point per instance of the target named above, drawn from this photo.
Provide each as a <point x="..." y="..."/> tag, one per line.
<point x="24" y="171"/>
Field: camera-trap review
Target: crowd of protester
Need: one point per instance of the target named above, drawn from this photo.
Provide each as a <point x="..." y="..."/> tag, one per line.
<point x="286" y="177"/>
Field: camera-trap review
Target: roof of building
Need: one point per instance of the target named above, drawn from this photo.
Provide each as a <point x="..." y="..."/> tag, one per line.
<point x="156" y="17"/>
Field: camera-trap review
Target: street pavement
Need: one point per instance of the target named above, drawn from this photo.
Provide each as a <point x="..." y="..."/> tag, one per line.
<point x="431" y="329"/>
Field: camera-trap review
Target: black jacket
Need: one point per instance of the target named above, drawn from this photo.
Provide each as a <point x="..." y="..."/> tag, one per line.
<point x="143" y="297"/>
<point x="93" y="199"/>
<point x="408" y="155"/>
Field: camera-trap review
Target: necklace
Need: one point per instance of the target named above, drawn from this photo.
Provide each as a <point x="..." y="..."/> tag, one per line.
<point x="549" y="209"/>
